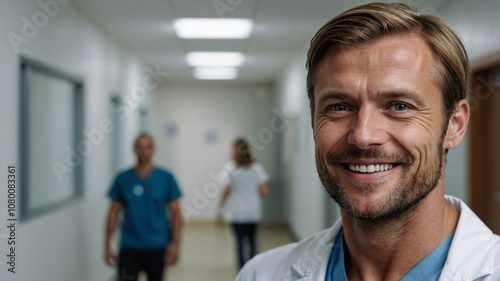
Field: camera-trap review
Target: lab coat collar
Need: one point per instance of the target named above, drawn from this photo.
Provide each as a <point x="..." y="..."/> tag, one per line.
<point x="313" y="261"/>
<point x="471" y="254"/>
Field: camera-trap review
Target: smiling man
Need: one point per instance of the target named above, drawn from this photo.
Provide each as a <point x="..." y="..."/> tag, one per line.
<point x="387" y="88"/>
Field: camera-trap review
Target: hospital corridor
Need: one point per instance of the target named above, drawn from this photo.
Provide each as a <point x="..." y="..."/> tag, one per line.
<point x="133" y="125"/>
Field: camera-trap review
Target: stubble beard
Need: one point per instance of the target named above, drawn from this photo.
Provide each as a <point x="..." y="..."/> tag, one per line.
<point x="407" y="194"/>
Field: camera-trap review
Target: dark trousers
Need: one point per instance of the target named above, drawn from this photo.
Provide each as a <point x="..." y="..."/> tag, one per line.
<point x="131" y="261"/>
<point x="245" y="241"/>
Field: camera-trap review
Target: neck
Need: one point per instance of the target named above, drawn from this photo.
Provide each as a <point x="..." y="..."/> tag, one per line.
<point x="144" y="166"/>
<point x="389" y="250"/>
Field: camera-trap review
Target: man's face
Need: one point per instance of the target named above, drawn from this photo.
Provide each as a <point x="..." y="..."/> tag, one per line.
<point x="144" y="149"/>
<point x="378" y="126"/>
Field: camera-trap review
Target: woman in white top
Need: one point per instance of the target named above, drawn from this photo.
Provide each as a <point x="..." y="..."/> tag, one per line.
<point x="245" y="185"/>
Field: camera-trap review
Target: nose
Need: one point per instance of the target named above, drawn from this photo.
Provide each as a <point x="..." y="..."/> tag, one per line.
<point x="368" y="129"/>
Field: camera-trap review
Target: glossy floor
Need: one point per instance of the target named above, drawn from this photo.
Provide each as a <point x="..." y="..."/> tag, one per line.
<point x="208" y="251"/>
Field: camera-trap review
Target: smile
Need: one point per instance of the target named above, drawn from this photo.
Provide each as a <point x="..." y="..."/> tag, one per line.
<point x="372" y="168"/>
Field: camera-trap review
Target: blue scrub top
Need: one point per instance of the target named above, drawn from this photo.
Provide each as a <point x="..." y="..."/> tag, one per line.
<point x="428" y="269"/>
<point x="145" y="222"/>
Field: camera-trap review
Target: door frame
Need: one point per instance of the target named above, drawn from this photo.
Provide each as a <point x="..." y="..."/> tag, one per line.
<point x="482" y="140"/>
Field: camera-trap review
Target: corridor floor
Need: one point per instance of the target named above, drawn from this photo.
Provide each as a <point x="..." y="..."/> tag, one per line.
<point x="208" y="251"/>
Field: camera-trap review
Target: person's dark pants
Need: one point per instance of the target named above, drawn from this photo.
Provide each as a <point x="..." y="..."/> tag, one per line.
<point x="245" y="241"/>
<point x="131" y="261"/>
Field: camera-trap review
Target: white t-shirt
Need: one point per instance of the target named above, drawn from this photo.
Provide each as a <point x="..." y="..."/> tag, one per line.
<point x="244" y="202"/>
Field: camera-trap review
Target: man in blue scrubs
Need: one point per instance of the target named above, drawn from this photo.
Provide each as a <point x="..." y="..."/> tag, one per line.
<point x="151" y="223"/>
<point x="388" y="94"/>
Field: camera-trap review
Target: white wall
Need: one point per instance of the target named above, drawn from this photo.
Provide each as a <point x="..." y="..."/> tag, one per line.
<point x="65" y="244"/>
<point x="306" y="207"/>
<point x="228" y="111"/>
<point x="477" y="23"/>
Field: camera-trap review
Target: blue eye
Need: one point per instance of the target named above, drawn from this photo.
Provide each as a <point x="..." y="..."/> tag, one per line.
<point x="338" y="107"/>
<point x="400" y="107"/>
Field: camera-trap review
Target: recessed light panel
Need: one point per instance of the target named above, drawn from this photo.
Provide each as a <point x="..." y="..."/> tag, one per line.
<point x="228" y="59"/>
<point x="215" y="73"/>
<point x="210" y="28"/>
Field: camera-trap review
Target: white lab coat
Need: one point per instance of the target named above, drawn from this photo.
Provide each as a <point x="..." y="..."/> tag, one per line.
<point x="474" y="254"/>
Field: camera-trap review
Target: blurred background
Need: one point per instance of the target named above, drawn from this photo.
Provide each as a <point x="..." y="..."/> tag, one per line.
<point x="126" y="71"/>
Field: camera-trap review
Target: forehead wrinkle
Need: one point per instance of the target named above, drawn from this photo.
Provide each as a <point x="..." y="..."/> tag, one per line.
<point x="369" y="58"/>
<point x="399" y="59"/>
<point x="333" y="68"/>
<point x="388" y="56"/>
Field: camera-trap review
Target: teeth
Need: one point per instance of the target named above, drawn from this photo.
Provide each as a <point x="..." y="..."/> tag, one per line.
<point x="370" y="168"/>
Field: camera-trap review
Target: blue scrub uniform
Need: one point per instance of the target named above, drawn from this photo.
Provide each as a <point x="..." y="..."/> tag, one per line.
<point x="145" y="215"/>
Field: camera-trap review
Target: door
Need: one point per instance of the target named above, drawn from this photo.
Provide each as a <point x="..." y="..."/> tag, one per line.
<point x="485" y="146"/>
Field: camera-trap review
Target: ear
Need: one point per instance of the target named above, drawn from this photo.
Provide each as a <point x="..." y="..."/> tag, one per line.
<point x="457" y="125"/>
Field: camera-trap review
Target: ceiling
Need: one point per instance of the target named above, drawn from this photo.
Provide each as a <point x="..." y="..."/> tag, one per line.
<point x="281" y="32"/>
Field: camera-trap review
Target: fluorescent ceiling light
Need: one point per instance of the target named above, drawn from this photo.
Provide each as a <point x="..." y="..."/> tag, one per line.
<point x="215" y="73"/>
<point x="207" y="28"/>
<point x="229" y="59"/>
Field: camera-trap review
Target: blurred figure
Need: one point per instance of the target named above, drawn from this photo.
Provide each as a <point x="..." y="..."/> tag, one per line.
<point x="151" y="226"/>
<point x="245" y="185"/>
